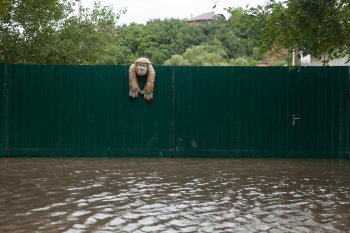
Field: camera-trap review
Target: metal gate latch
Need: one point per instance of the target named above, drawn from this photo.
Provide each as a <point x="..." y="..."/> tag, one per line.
<point x="294" y="119"/>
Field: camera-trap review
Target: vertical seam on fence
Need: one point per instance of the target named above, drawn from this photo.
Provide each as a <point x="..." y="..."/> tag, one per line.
<point x="5" y="108"/>
<point x="337" y="75"/>
<point x="60" y="112"/>
<point x="288" y="111"/>
<point x="94" y="110"/>
<point x="342" y="127"/>
<point x="173" y="96"/>
<point x="347" y="122"/>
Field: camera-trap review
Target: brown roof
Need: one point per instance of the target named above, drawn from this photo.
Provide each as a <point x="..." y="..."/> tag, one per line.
<point x="202" y="17"/>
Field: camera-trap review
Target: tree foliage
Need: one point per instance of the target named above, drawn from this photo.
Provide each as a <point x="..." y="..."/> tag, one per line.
<point x="313" y="26"/>
<point x="25" y="26"/>
<point x="198" y="56"/>
<point x="47" y="32"/>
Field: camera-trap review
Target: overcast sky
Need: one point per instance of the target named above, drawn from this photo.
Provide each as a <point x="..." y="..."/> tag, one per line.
<point x="141" y="11"/>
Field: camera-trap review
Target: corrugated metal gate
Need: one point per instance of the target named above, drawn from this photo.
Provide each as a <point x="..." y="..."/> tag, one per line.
<point x="68" y="110"/>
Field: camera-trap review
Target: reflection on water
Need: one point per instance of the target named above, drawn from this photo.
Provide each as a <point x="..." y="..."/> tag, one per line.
<point x="174" y="195"/>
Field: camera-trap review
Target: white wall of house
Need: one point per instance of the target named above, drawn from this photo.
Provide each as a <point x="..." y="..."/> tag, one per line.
<point x="334" y="62"/>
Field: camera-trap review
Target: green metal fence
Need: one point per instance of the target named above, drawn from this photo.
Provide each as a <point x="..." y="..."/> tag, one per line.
<point x="69" y="110"/>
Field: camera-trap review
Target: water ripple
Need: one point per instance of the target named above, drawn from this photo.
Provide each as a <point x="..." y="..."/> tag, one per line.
<point x="175" y="195"/>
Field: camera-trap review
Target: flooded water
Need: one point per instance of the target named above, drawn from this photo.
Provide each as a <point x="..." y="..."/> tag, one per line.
<point x="174" y="195"/>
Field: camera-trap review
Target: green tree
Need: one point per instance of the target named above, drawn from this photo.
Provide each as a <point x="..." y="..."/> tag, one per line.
<point x="202" y="55"/>
<point x="48" y="32"/>
<point x="177" y="60"/>
<point x="158" y="39"/>
<point x="28" y="25"/>
<point x="92" y="37"/>
<point x="243" y="61"/>
<point x="243" y="37"/>
<point x="5" y="6"/>
<point x="313" y="26"/>
<point x="29" y="36"/>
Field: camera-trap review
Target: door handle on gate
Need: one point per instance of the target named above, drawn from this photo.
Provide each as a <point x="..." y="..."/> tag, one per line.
<point x="294" y="119"/>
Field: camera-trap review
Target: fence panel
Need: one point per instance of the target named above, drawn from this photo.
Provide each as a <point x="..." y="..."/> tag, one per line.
<point x="72" y="110"/>
<point x="230" y="111"/>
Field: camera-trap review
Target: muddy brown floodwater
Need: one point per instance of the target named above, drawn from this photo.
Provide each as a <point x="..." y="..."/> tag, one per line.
<point x="174" y="195"/>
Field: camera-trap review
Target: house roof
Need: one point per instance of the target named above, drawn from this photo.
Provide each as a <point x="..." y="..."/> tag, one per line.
<point x="203" y="17"/>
